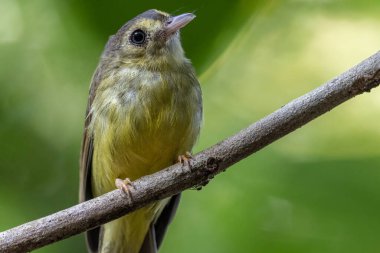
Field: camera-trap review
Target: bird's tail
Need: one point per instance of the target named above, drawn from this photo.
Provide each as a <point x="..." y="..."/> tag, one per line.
<point x="126" y="234"/>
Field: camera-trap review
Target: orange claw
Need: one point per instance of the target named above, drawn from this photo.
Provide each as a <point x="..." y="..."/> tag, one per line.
<point x="125" y="185"/>
<point x="185" y="158"/>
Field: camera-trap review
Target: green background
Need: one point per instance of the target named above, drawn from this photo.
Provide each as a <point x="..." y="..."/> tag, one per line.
<point x="316" y="190"/>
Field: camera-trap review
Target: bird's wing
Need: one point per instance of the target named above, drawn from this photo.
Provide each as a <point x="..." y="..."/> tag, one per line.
<point x="157" y="230"/>
<point x="85" y="188"/>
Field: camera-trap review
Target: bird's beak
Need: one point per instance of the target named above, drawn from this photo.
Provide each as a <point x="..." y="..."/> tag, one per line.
<point x="177" y="22"/>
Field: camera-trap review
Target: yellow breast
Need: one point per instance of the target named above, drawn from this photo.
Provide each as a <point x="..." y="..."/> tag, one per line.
<point x="142" y="123"/>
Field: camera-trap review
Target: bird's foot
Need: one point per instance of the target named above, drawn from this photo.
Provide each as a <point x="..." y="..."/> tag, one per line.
<point x="185" y="159"/>
<point x="125" y="185"/>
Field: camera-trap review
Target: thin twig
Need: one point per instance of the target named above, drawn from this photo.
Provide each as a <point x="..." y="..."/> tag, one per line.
<point x="205" y="165"/>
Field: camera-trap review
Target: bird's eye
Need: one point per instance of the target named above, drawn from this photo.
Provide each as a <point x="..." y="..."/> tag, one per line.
<point x="138" y="37"/>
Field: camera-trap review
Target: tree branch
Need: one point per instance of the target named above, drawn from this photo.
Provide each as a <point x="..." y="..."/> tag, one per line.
<point x="174" y="179"/>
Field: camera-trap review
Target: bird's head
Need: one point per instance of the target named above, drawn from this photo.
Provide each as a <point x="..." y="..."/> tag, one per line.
<point x="150" y="39"/>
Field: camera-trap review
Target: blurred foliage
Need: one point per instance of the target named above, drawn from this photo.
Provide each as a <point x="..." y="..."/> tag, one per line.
<point x="316" y="190"/>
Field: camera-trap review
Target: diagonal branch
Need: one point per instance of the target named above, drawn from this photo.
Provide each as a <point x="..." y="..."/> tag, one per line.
<point x="359" y="79"/>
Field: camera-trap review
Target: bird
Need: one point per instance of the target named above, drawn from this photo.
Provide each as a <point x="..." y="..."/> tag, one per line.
<point x="144" y="113"/>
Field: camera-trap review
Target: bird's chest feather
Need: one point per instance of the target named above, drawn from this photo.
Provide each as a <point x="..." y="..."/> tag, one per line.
<point x="142" y="124"/>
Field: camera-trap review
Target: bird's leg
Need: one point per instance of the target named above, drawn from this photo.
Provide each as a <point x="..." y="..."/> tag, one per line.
<point x="185" y="159"/>
<point x="125" y="185"/>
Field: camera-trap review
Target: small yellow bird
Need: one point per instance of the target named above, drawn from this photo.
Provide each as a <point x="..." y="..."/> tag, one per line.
<point x="144" y="111"/>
